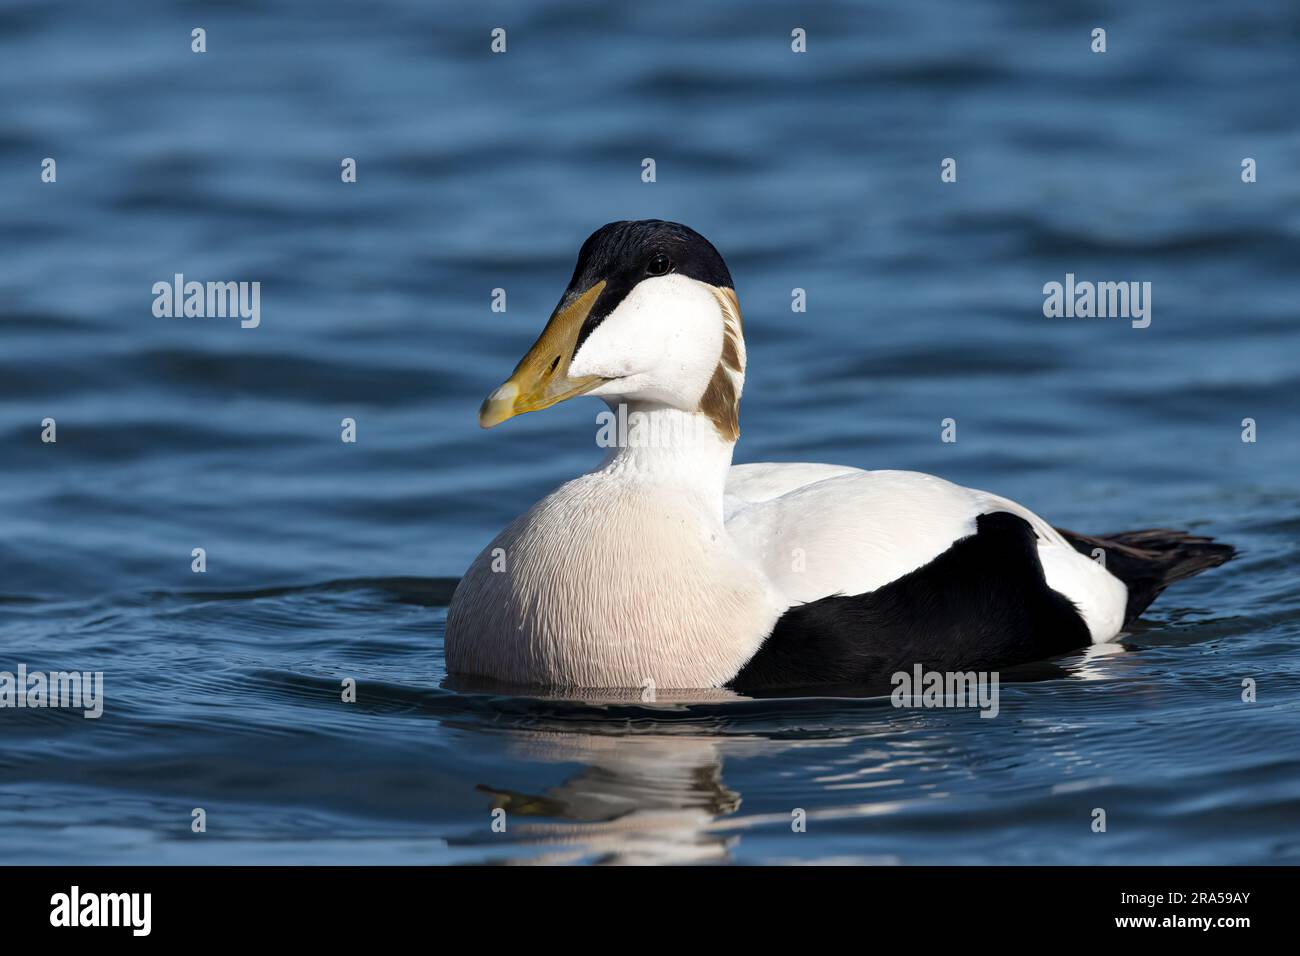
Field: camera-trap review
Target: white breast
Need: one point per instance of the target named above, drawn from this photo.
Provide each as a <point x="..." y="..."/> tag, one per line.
<point x="611" y="582"/>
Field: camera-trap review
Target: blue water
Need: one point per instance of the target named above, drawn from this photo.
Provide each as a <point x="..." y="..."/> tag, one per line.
<point x="328" y="560"/>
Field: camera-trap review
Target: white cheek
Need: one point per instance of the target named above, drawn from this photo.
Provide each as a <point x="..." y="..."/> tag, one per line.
<point x="664" y="337"/>
<point x="626" y="343"/>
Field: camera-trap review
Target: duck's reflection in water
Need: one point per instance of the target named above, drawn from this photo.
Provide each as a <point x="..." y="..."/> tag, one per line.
<point x="650" y="786"/>
<point x="645" y="798"/>
<point x="647" y="792"/>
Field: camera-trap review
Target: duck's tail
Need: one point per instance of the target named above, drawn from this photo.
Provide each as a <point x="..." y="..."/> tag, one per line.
<point x="1151" y="560"/>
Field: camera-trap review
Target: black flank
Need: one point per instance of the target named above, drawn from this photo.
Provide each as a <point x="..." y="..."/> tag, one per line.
<point x="982" y="605"/>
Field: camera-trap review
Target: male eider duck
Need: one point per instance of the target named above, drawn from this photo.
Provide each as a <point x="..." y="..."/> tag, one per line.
<point x="669" y="564"/>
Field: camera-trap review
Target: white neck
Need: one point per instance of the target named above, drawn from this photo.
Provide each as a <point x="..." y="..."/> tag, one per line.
<point x="662" y="445"/>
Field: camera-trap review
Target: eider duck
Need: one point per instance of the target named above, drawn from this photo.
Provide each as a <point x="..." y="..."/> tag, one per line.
<point x="669" y="565"/>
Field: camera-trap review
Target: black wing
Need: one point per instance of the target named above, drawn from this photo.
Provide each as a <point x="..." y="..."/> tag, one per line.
<point x="983" y="604"/>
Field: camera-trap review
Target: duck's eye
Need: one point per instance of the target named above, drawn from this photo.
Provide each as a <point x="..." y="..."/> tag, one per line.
<point x="660" y="265"/>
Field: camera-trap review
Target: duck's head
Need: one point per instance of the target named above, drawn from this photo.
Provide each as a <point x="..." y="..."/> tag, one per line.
<point x="650" y="315"/>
